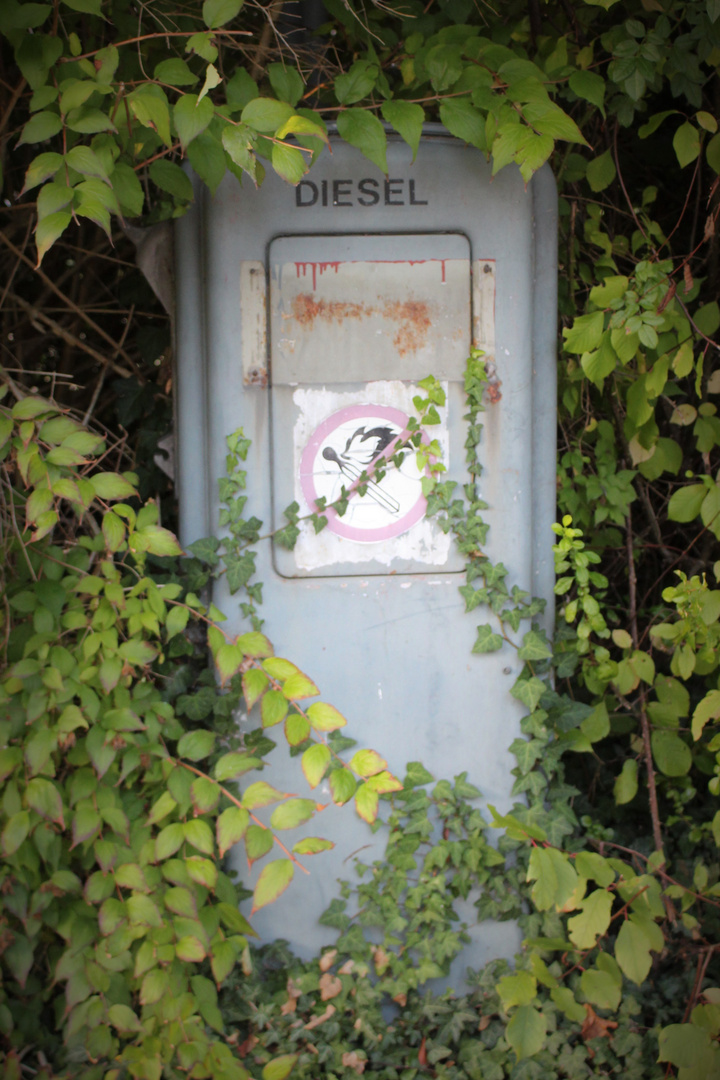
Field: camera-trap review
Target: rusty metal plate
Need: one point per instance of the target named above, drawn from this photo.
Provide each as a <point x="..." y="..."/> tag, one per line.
<point x="351" y="309"/>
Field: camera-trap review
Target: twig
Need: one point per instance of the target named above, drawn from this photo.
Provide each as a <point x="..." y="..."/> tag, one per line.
<point x="644" y="723"/>
<point x="103" y="373"/>
<point x="158" y="34"/>
<point x="70" y="339"/>
<point x="11" y="104"/>
<point x="66" y="299"/>
<point x="11" y="276"/>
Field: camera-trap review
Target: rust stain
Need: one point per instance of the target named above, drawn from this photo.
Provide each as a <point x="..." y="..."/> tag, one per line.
<point x="493" y="393"/>
<point x="256" y="376"/>
<point x="306" y="310"/>
<point x="414" y="319"/>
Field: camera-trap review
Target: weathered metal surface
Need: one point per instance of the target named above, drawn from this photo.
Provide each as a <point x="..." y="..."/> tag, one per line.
<point x="388" y="643"/>
<point x="253" y="308"/>
<point x="363" y="308"/>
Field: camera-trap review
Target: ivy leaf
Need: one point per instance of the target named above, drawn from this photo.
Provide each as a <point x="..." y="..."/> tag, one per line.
<point x="486" y="640"/>
<point x="364" y="131"/>
<point x="273" y="881"/>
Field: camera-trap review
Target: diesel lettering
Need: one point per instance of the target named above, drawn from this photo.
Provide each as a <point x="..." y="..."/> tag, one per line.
<point x="395" y="191"/>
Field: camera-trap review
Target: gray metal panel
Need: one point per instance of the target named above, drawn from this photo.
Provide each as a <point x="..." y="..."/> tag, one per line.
<point x="391" y="651"/>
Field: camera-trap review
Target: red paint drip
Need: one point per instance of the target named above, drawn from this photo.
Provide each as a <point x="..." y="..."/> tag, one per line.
<point x="301" y="269"/>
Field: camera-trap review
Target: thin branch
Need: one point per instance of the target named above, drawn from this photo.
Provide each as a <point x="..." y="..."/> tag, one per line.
<point x="66" y="300"/>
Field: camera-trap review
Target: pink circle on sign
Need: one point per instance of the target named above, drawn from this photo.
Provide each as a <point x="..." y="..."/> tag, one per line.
<point x="344" y="446"/>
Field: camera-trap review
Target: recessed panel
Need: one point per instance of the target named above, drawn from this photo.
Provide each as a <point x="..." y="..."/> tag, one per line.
<point x="361" y="308"/>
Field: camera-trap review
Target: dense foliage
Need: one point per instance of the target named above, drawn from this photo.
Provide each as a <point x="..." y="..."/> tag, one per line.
<point x="118" y="924"/>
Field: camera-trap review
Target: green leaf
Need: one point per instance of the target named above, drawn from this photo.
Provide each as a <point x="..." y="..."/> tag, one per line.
<point x="312" y="845"/>
<point x="265" y="115"/>
<point x="196" y="745"/>
<point x="632" y="952"/>
<point x="191" y="117"/>
<point x="286" y="82"/>
<point x="255" y="644"/>
<point x="234" y="764"/>
<point x="231" y="827"/>
<point x="324" y="717"/>
<point x="342" y="786"/>
<point x="198" y="834"/>
<point x="207" y="157"/>
<point x="123" y="1019"/>
<point x="589" y="86"/>
<point x="593" y="921"/>
<point x="258" y="841"/>
<point x="464" y="121"/>
<point x="364" y="131"/>
<point x="44" y="798"/>
<point x="169" y="840"/>
<point x="356" y="83"/>
<point x="110" y="486"/>
<point x="565" y="1000"/>
<point x="273" y="708"/>
<point x="254" y="683"/>
<point x="219" y="12"/>
<point x="685" y="503"/>
<point x="299" y="686"/>
<point x="526" y="1031"/>
<point x="156" y="540"/>
<point x="154" y="986"/>
<point x="315" y="761"/>
<point x="292" y="813"/>
<point x="181" y="902"/>
<point x="601" y="171"/>
<point x="190" y="950"/>
<point x="683" y="1045"/>
<point x="41" y="126"/>
<point x="585" y="333"/>
<point x="289" y="162"/>
<point x="273" y="881"/>
<point x="554" y="877"/>
<point x="670" y="753"/>
<point x="706" y="710"/>
<point x="600" y="988"/>
<point x="534" y="647"/>
<point x="16" y="829"/>
<point x="686" y="144"/>
<point x="171" y="178"/>
<point x="85" y="161"/>
<point x="175" y="72"/>
<point x="261" y="794"/>
<point x="366" y="803"/>
<point x="40" y="169"/>
<point x="518" y="989"/>
<point x="279" y="1067"/>
<point x="49" y="229"/>
<point x="407" y="119"/>
<point x="487" y="640"/>
<point x="367" y="763"/>
<point x="142" y="911"/>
